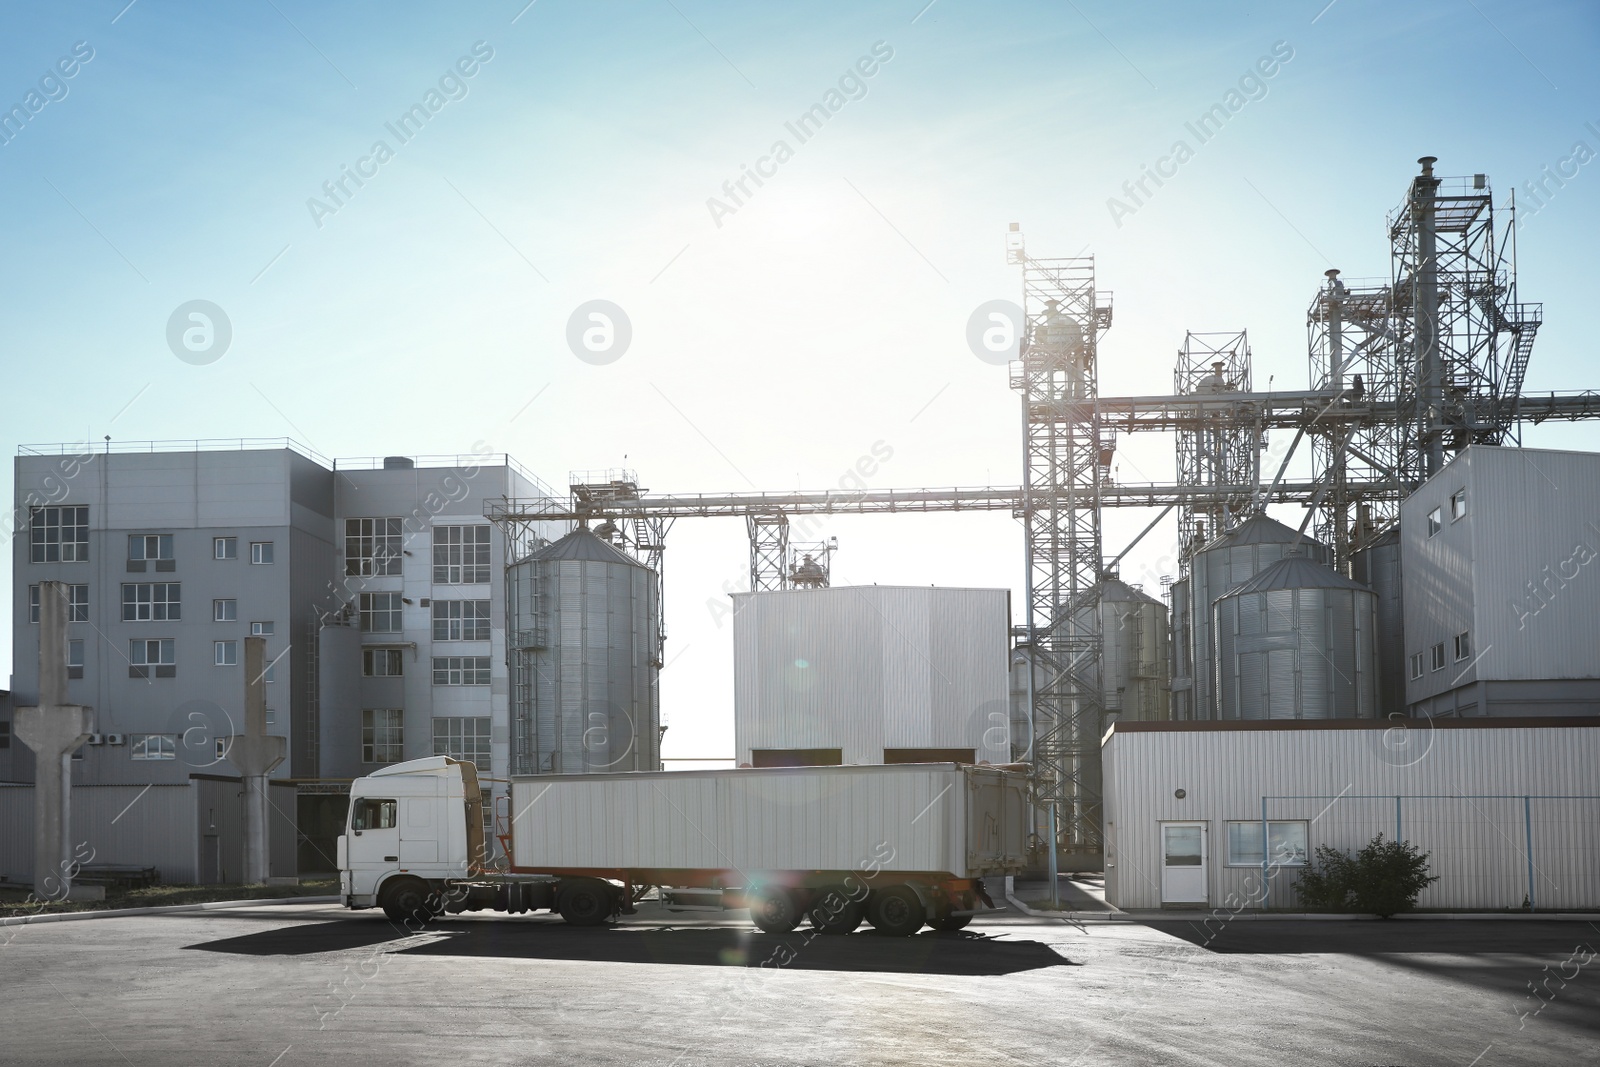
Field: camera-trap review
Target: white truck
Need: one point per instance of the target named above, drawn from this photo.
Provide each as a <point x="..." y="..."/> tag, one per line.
<point x="900" y="846"/>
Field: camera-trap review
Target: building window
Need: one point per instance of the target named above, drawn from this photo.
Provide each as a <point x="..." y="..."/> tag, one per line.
<point x="461" y="555"/>
<point x="1458" y="505"/>
<point x="225" y="547"/>
<point x="224" y="611"/>
<point x="261" y="629"/>
<point x="1437" y="655"/>
<point x="380" y="613"/>
<point x="261" y="552"/>
<point x="151" y="602"/>
<point x="1463" y="645"/>
<point x="59" y="535"/>
<point x="269" y="674"/>
<point x="461" y="670"/>
<point x="272" y="717"/>
<point x="227" y="653"/>
<point x="1435" y="521"/>
<point x="145" y="547"/>
<point x="77" y="603"/>
<point x="1416" y="666"/>
<point x="371" y="547"/>
<point x="382" y="663"/>
<point x="153" y="746"/>
<point x="75" y="658"/>
<point x="461" y="620"/>
<point x="463" y="739"/>
<point x="382" y="736"/>
<point x="1286" y="844"/>
<point x="152" y="655"/>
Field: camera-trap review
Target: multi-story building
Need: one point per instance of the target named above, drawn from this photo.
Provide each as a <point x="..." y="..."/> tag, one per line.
<point x="378" y="585"/>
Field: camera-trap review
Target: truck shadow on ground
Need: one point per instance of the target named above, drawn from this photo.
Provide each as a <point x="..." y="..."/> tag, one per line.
<point x="968" y="953"/>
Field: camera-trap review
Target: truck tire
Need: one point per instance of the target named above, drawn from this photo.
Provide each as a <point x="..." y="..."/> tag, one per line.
<point x="774" y="909"/>
<point x="950" y="923"/>
<point x="407" y="900"/>
<point x="832" y="911"/>
<point x="585" y="902"/>
<point x="896" y="911"/>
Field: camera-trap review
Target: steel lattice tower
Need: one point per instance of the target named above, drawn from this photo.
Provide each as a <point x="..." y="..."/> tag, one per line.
<point x="1224" y="452"/>
<point x="1064" y="460"/>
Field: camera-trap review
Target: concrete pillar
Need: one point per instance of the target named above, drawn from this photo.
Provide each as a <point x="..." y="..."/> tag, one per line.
<point x="54" y="729"/>
<point x="255" y="754"/>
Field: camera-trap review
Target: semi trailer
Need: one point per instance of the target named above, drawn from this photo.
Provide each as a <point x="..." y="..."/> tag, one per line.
<point x="899" y="846"/>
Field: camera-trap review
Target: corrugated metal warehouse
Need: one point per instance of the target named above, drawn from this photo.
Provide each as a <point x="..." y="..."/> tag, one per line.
<point x="1495" y="802"/>
<point x="871" y="674"/>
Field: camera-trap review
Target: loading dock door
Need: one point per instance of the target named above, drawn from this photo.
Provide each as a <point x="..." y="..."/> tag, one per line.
<point x="1183" y="863"/>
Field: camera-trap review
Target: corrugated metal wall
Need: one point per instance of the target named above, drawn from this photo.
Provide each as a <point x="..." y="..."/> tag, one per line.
<point x="1476" y="846"/>
<point x="864" y="668"/>
<point x="123" y="824"/>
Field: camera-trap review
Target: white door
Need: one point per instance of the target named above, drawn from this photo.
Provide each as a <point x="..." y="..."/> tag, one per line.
<point x="1183" y="863"/>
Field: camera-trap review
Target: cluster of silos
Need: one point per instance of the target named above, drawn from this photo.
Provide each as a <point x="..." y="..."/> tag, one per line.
<point x="585" y="650"/>
<point x="1135" y="683"/>
<point x="1272" y="631"/>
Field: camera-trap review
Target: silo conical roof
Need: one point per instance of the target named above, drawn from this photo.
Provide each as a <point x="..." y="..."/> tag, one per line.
<point x="1260" y="530"/>
<point x="1294" y="572"/>
<point x="582" y="544"/>
<point x="1118" y="591"/>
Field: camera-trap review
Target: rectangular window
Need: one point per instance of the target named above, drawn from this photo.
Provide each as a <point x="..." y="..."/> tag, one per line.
<point x="152" y="602"/>
<point x="77" y="606"/>
<point x="461" y="620"/>
<point x="1463" y="645"/>
<point x="1286" y="844"/>
<point x="382" y="738"/>
<point x="270" y="673"/>
<point x="153" y="746"/>
<point x="224" y="611"/>
<point x="1416" y="666"/>
<point x="382" y="663"/>
<point x="1435" y="521"/>
<point x="261" y="629"/>
<point x="461" y="555"/>
<point x="272" y="717"/>
<point x="227" y="653"/>
<point x="58" y="535"/>
<point x="371" y="547"/>
<point x="1437" y="655"/>
<point x="261" y="552"/>
<point x="463" y="739"/>
<point x="370" y="814"/>
<point x="461" y="670"/>
<point x="1458" y="505"/>
<point x="142" y="547"/>
<point x="380" y="613"/>
<point x="152" y="655"/>
<point x="75" y="658"/>
<point x="225" y="547"/>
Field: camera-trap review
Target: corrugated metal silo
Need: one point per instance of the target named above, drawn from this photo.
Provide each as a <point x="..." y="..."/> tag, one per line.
<point x="1181" y="653"/>
<point x="585" y="656"/>
<point x="1296" y="641"/>
<point x="1134" y="662"/>
<point x="1378" y="566"/>
<point x="1235" y="557"/>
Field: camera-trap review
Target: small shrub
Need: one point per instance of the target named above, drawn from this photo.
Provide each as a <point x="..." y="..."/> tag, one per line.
<point x="1383" y="879"/>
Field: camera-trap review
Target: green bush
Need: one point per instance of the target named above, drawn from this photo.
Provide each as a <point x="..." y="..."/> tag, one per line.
<point x="1383" y="879"/>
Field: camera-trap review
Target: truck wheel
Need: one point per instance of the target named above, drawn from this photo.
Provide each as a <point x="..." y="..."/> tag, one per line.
<point x="585" y="902"/>
<point x="896" y="911"/>
<point x="774" y="909"/>
<point x="950" y="923"/>
<point x="833" y="912"/>
<point x="407" y="901"/>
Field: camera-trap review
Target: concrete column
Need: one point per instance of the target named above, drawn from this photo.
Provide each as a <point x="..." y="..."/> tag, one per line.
<point x="255" y="754"/>
<point x="53" y="729"/>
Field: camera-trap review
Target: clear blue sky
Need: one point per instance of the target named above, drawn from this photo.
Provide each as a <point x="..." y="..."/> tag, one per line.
<point x="825" y="315"/>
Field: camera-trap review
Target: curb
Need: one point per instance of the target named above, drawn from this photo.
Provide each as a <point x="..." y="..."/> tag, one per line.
<point x="170" y="909"/>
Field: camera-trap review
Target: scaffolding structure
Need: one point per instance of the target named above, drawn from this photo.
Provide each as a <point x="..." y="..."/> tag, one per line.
<point x="1223" y="450"/>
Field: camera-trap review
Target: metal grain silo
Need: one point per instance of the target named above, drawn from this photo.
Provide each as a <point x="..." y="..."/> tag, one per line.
<point x="1134" y="664"/>
<point x="1235" y="557"/>
<point x="585" y="655"/>
<point x="1296" y="641"/>
<point x="1378" y="566"/>
<point x="1181" y="653"/>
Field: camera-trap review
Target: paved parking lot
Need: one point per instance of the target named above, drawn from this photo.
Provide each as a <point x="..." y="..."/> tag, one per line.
<point x="293" y="985"/>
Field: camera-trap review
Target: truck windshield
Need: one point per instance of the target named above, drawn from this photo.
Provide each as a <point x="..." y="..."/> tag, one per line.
<point x="369" y="814"/>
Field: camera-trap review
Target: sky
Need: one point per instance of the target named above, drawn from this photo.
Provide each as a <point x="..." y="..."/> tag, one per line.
<point x="196" y="151"/>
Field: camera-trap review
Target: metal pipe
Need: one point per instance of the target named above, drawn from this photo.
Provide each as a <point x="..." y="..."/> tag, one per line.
<point x="1425" y="285"/>
<point x="1055" y="887"/>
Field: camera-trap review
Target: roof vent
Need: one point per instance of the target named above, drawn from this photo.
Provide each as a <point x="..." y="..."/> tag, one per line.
<point x="398" y="463"/>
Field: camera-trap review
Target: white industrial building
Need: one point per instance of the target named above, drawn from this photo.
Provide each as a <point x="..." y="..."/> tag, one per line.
<point x="1505" y="808"/>
<point x="871" y="674"/>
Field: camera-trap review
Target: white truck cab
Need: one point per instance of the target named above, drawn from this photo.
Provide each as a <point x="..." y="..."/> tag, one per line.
<point x="416" y="826"/>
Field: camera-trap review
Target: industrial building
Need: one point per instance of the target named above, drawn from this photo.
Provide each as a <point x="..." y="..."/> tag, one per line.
<point x="1505" y="809"/>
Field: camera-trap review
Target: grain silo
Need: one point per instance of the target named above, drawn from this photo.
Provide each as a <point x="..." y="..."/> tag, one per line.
<point x="1296" y="641"/>
<point x="1378" y="566"/>
<point x="585" y="655"/>
<point x="1135" y="683"/>
<point x="1180" y="653"/>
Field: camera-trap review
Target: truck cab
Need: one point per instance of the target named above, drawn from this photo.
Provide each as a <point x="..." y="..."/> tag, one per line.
<point x="412" y="829"/>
